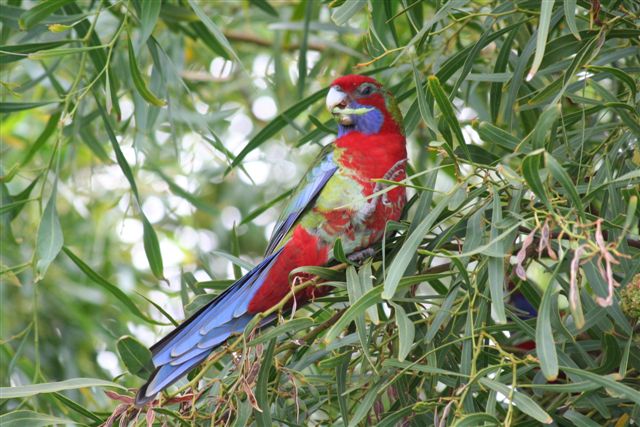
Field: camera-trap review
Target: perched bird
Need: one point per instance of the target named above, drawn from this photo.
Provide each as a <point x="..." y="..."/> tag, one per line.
<point x="332" y="201"/>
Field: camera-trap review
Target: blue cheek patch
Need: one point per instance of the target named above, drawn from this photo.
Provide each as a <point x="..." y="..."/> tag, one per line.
<point x="368" y="123"/>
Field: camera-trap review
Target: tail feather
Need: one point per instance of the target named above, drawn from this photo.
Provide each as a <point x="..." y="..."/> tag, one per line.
<point x="190" y="343"/>
<point x="163" y="377"/>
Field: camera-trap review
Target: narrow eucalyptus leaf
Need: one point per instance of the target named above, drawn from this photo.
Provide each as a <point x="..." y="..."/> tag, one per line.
<point x="49" y="239"/>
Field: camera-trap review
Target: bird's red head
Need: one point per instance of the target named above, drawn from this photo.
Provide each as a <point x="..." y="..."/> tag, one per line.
<point x="350" y="82"/>
<point x="361" y="104"/>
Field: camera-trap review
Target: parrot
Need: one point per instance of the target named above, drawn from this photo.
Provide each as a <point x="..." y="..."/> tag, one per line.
<point x="340" y="197"/>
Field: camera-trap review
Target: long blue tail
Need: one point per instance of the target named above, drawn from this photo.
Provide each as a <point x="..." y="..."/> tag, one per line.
<point x="190" y="343"/>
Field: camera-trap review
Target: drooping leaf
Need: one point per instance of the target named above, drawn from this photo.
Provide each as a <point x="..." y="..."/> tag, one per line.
<point x="403" y="257"/>
<point x="521" y="400"/>
<point x="49" y="239"/>
<point x="108" y="286"/>
<point x="149" y="13"/>
<point x="546" y="9"/>
<point x="135" y="356"/>
<point x="346" y="10"/>
<point x="138" y="81"/>
<point x="31" y="418"/>
<point x="72" y="384"/>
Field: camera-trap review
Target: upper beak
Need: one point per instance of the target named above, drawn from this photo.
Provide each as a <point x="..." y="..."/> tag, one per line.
<point x="336" y="97"/>
<point x="337" y="100"/>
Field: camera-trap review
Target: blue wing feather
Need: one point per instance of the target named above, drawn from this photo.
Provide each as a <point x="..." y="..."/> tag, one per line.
<point x="303" y="196"/>
<point x="191" y="342"/>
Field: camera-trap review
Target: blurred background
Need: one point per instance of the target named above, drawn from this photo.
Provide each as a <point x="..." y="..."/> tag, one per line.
<point x="217" y="100"/>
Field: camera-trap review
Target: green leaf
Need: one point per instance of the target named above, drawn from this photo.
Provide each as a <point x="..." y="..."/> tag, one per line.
<point x="74" y="406"/>
<point x="275" y="125"/>
<point x="56" y="53"/>
<point x="544" y="125"/>
<point x="302" y="55"/>
<point x="108" y="286"/>
<point x="215" y="31"/>
<point x="98" y="56"/>
<point x="135" y="356"/>
<point x="236" y="261"/>
<point x="561" y="175"/>
<point x="619" y="74"/>
<point x="265" y="6"/>
<point x="149" y="13"/>
<point x="363" y="408"/>
<point x="370" y="298"/>
<point x="570" y="10"/>
<point x="346" y="10"/>
<point x="263" y="416"/>
<point x="406" y="331"/>
<point x="494" y="135"/>
<point x="606" y="381"/>
<point x="447" y="111"/>
<point x="413" y="366"/>
<point x="150" y="239"/>
<point x="261" y="209"/>
<point x="521" y="400"/>
<point x="138" y="81"/>
<point x="39" y="12"/>
<point x="365" y="276"/>
<point x="23" y="418"/>
<point x="338" y="252"/>
<point x="354" y="310"/>
<point x="495" y="264"/>
<point x="50" y="127"/>
<point x="579" y="420"/>
<point x="17" y="52"/>
<point x="49" y="238"/>
<point x="545" y="344"/>
<point x="13" y="207"/>
<point x="289" y="327"/>
<point x="322" y="272"/>
<point x="44" y="388"/>
<point x="188" y="196"/>
<point x="341" y="385"/>
<point x="152" y="248"/>
<point x="442" y="315"/>
<point x="408" y="249"/>
<point x="354" y="290"/>
<point x="546" y="9"/>
<point x="423" y="105"/>
<point x="476" y="419"/>
<point x="531" y="173"/>
<point x="495" y="94"/>
<point x="12" y="107"/>
<point x="19" y="200"/>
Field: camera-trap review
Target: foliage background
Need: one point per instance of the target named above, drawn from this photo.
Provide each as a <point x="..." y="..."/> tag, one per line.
<point x="145" y="148"/>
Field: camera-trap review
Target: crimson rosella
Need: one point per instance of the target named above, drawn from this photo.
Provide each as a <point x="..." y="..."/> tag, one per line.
<point x="332" y="201"/>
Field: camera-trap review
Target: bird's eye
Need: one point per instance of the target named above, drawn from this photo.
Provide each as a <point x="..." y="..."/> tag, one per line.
<point x="366" y="90"/>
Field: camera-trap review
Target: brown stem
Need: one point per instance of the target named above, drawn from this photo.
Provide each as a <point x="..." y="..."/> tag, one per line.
<point x="554" y="235"/>
<point x="253" y="39"/>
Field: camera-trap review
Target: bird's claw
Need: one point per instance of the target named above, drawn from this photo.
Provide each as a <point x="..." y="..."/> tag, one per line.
<point x="391" y="175"/>
<point x="361" y="255"/>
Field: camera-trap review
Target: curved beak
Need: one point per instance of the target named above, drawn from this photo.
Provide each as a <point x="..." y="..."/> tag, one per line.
<point x="335" y="98"/>
<point x="337" y="102"/>
<point x="340" y="105"/>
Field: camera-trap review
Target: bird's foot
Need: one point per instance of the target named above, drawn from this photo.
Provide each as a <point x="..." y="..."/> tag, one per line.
<point x="359" y="256"/>
<point x="391" y="175"/>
